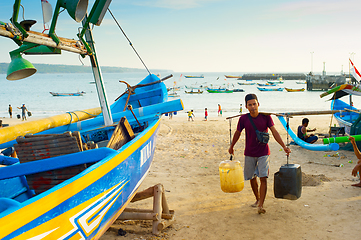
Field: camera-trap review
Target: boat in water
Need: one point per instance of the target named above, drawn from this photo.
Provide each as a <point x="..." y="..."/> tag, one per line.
<point x="246" y="83"/>
<point x="70" y="176"/>
<point x="190" y="76"/>
<point x="266" y="84"/>
<point x="230" y="76"/>
<point x="237" y="90"/>
<point x="67" y="94"/>
<point x="294" y="89"/>
<point x="215" y="90"/>
<point x="194" y="91"/>
<point x="269" y="89"/>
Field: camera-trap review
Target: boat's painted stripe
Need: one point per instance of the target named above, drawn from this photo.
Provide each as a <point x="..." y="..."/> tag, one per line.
<point x="12" y="132"/>
<point x="300" y="142"/>
<point x="41" y="204"/>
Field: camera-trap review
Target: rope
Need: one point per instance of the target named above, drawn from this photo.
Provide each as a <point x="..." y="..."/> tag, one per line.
<point x="129" y="41"/>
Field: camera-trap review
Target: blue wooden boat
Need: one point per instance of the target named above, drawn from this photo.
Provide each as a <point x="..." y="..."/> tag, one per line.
<point x="67" y="94"/>
<point x="246" y="83"/>
<point x="269" y="89"/>
<point x="345" y="118"/>
<point x="219" y="90"/>
<point x="266" y="84"/>
<point x="71" y="180"/>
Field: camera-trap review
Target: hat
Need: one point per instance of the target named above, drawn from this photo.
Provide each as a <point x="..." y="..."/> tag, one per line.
<point x="250" y="97"/>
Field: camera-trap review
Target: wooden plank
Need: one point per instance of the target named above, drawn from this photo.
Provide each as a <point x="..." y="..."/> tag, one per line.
<point x="124" y="122"/>
<point x="36" y="139"/>
<point x="25" y="147"/>
<point x="55" y="135"/>
<point x="53" y="141"/>
<point x="61" y="150"/>
<point x="77" y="136"/>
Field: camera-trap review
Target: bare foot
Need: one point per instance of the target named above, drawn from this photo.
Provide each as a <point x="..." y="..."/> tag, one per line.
<point x="357" y="184"/>
<point x="255" y="204"/>
<point x="261" y="210"/>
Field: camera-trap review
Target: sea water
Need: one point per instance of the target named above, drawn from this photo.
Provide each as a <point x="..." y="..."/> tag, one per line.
<point x="34" y="93"/>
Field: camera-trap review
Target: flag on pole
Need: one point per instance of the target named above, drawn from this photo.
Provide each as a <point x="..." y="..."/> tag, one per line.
<point x="47" y="12"/>
<point x="355" y="73"/>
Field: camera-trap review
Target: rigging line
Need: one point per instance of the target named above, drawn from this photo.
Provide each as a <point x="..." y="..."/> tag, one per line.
<point x="128" y="40"/>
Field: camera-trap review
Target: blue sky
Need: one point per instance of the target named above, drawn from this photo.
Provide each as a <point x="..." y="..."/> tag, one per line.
<point x="214" y="35"/>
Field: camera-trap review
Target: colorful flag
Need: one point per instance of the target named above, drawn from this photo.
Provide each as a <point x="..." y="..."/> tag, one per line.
<point x="355" y="73"/>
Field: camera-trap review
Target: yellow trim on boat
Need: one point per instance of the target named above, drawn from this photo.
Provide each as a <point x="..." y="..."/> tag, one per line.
<point x="10" y="133"/>
<point x="32" y="211"/>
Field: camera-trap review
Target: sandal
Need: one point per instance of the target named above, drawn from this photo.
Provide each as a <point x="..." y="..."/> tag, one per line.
<point x="255" y="204"/>
<point x="261" y="210"/>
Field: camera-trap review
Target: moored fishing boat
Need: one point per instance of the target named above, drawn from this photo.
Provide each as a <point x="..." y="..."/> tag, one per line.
<point x="294" y="89"/>
<point x="269" y="89"/>
<point x="82" y="172"/>
<point x="190" y="76"/>
<point x="214" y="90"/>
<point x="266" y="84"/>
<point x="230" y="76"/>
<point x="246" y="83"/>
<point x="194" y="91"/>
<point x="67" y="94"/>
<point x="238" y="90"/>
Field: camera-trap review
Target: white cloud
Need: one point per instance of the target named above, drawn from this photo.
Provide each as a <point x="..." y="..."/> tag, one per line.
<point x="304" y="8"/>
<point x="173" y="4"/>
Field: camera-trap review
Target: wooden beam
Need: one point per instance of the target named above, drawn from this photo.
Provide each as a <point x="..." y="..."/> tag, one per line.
<point x="44" y="39"/>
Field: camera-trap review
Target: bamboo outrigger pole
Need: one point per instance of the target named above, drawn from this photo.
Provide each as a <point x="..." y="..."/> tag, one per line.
<point x="290" y="114"/>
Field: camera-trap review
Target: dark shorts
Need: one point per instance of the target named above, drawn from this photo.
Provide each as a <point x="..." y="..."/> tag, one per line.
<point x="311" y="139"/>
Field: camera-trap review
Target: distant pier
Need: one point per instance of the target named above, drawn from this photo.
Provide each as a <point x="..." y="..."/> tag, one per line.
<point x="274" y="76"/>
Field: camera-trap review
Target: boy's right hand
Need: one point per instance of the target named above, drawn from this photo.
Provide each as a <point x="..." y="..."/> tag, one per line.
<point x="231" y="151"/>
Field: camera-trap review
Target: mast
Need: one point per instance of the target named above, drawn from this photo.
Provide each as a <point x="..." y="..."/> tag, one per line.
<point x="108" y="119"/>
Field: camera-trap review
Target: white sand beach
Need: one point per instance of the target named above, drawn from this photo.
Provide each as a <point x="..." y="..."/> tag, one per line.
<point x="186" y="163"/>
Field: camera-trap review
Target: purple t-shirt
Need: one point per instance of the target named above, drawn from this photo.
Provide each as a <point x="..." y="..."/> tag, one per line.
<point x="253" y="147"/>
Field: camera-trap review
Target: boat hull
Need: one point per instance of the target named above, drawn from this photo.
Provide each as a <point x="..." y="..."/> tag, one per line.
<point x="100" y="192"/>
<point x="270" y="89"/>
<point x="295" y="90"/>
<point x="85" y="205"/>
<point x="219" y="91"/>
<point x="344" y="119"/>
<point x="66" y="94"/>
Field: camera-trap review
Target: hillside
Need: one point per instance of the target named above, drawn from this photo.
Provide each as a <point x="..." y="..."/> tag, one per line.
<point x="55" y="68"/>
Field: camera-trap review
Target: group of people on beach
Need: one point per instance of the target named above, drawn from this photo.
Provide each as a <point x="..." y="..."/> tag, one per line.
<point x="23" y="111"/>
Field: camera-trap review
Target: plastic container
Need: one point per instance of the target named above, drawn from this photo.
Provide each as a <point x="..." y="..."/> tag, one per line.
<point x="288" y="182"/>
<point x="231" y="175"/>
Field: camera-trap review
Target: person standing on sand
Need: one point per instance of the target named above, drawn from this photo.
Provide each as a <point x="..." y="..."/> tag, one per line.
<point x="10" y="111"/>
<point x="219" y="110"/>
<point x="357" y="168"/>
<point x="23" y="109"/>
<point x="205" y="114"/>
<point x="190" y="115"/>
<point x="256" y="161"/>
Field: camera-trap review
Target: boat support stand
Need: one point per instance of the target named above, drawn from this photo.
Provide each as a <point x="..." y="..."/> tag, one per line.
<point x="160" y="214"/>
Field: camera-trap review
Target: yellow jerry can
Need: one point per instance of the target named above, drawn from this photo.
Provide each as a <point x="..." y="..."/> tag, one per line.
<point x="231" y="174"/>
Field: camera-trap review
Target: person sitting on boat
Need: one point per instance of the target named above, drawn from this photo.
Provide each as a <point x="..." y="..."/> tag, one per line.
<point x="357" y="168"/>
<point x="302" y="132"/>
